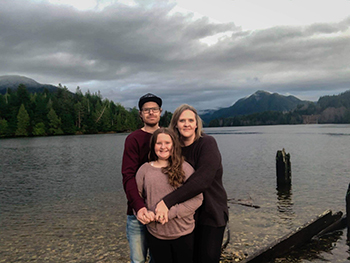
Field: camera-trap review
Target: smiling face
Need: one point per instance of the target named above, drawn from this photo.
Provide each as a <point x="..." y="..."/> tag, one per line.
<point x="187" y="126"/>
<point x="163" y="147"/>
<point x="150" y="113"/>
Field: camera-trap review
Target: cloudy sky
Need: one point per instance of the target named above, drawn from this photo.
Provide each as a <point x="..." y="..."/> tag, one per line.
<point x="207" y="53"/>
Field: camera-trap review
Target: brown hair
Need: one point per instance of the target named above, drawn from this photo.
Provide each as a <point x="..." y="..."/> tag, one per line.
<point x="174" y="169"/>
<point x="176" y="117"/>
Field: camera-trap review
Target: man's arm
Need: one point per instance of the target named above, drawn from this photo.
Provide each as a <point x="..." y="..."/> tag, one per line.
<point x="130" y="164"/>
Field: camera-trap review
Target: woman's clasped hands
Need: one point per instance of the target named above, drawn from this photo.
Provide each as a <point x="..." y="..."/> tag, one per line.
<point x="147" y="216"/>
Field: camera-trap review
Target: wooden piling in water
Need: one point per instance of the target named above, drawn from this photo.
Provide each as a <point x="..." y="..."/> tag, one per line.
<point x="283" y="170"/>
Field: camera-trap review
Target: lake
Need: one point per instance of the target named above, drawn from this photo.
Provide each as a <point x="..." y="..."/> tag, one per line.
<point x="62" y="200"/>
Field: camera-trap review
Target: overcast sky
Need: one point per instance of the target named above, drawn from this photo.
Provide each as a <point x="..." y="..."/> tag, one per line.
<point x="207" y="53"/>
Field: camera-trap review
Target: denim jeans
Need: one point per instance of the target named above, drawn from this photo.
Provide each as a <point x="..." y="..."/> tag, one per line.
<point x="136" y="235"/>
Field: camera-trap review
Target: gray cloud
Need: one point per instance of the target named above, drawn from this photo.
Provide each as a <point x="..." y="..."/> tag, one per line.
<point x="127" y="51"/>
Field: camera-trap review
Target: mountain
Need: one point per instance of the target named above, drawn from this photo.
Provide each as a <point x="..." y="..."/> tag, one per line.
<point x="13" y="81"/>
<point x="260" y="101"/>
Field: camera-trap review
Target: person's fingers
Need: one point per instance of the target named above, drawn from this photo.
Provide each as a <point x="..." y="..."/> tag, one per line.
<point x="162" y="219"/>
<point x="151" y="216"/>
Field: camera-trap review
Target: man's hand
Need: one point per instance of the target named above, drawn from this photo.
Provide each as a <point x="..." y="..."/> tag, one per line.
<point x="145" y="216"/>
<point x="162" y="213"/>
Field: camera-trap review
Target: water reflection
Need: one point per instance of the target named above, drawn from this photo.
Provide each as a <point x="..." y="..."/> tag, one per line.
<point x="285" y="205"/>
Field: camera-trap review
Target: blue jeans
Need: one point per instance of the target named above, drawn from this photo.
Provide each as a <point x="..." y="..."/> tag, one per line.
<point x="136" y="235"/>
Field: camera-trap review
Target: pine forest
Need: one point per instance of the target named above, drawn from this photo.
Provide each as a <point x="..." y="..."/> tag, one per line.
<point x="62" y="112"/>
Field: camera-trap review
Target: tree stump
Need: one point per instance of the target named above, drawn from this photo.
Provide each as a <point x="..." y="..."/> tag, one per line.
<point x="283" y="170"/>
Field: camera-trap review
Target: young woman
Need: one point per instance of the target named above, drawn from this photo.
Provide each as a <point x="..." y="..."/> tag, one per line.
<point x="202" y="152"/>
<point x="166" y="171"/>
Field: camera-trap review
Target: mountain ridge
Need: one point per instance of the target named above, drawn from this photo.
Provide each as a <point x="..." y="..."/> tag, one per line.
<point x="13" y="81"/>
<point x="259" y="101"/>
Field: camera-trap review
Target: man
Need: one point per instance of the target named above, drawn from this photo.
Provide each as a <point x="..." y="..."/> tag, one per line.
<point x="136" y="151"/>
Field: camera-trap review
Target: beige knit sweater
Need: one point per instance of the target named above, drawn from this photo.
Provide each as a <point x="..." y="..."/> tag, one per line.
<point x="153" y="185"/>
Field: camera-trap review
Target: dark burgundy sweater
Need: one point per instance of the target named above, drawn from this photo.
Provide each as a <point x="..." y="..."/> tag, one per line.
<point x="136" y="149"/>
<point x="205" y="157"/>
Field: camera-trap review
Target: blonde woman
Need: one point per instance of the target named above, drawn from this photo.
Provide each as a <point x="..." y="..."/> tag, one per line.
<point x="202" y="152"/>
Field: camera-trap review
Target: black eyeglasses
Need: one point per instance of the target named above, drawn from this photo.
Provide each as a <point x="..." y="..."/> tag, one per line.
<point x="148" y="110"/>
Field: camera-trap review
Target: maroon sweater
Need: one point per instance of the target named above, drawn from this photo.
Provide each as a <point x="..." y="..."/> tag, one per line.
<point x="136" y="149"/>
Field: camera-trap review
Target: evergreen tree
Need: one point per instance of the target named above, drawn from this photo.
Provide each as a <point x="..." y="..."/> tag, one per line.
<point x="23" y="122"/>
<point x="39" y="129"/>
<point x="165" y="119"/>
<point x="40" y="108"/>
<point x="3" y="128"/>
<point x="84" y="114"/>
<point x="134" y="120"/>
<point x="79" y="113"/>
<point x="9" y="113"/>
<point x="118" y="122"/>
<point x="63" y="105"/>
<point x="23" y="96"/>
<point x="106" y="119"/>
<point x="54" y="123"/>
<point x="3" y="105"/>
<point x="119" y="118"/>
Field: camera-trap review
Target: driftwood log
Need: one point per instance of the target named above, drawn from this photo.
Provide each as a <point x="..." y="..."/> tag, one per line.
<point x="347" y="199"/>
<point x="242" y="202"/>
<point x="337" y="225"/>
<point x="294" y="239"/>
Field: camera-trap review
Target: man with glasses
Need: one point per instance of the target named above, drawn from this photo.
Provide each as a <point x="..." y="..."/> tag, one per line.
<point x="136" y="149"/>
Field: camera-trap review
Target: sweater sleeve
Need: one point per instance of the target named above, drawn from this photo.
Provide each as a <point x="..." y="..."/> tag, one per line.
<point x="130" y="165"/>
<point x="188" y="207"/>
<point x="139" y="178"/>
<point x="208" y="162"/>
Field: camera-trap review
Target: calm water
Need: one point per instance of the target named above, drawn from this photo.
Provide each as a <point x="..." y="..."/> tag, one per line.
<point x="61" y="198"/>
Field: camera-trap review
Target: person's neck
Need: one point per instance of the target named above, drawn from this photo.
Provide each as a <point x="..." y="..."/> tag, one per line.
<point x="160" y="163"/>
<point x="187" y="141"/>
<point x="150" y="129"/>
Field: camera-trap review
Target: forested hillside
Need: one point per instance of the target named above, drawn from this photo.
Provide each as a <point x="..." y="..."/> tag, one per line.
<point x="62" y="112"/>
<point x="260" y="101"/>
<point x="24" y="113"/>
<point x="328" y="109"/>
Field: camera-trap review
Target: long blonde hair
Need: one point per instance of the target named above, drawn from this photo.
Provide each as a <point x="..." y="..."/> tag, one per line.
<point x="176" y="116"/>
<point x="174" y="169"/>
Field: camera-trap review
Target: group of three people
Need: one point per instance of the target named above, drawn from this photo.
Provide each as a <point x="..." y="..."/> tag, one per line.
<point x="172" y="177"/>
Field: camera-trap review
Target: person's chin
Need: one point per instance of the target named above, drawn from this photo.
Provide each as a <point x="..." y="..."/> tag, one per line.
<point x="186" y="135"/>
<point x="152" y="123"/>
